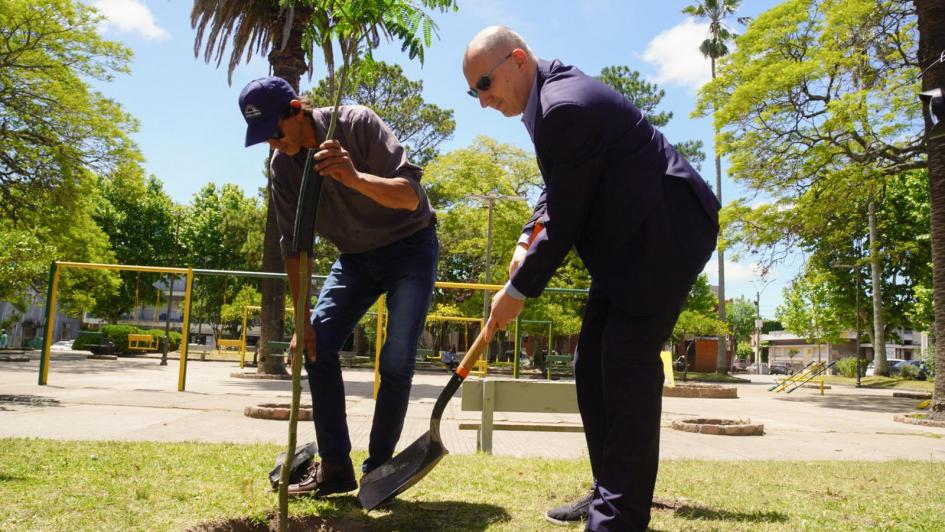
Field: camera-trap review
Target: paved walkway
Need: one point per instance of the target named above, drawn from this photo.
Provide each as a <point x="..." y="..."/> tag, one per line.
<point x="137" y="399"/>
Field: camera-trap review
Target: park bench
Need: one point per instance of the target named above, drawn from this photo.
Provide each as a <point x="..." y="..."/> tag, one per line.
<point x="226" y="344"/>
<point x="480" y="369"/>
<point x="96" y="342"/>
<point x="142" y="342"/>
<point x="559" y="365"/>
<point x="492" y="395"/>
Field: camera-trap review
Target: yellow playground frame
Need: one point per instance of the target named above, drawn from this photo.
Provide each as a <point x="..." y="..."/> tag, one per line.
<point x="189" y="273"/>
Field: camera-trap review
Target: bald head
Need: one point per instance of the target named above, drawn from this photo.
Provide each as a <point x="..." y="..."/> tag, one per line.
<point x="500" y="69"/>
<point x="494" y="42"/>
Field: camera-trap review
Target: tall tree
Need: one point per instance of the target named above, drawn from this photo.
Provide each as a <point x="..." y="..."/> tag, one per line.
<point x="714" y="47"/>
<point x="136" y="214"/>
<point x="647" y="97"/>
<point x="56" y="135"/>
<point x="818" y="118"/>
<point x="931" y="22"/>
<point x="420" y="126"/>
<point x="809" y="312"/>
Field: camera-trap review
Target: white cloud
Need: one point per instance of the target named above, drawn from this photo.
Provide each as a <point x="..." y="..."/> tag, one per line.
<point x="130" y="16"/>
<point x="734" y="271"/>
<point x="676" y="56"/>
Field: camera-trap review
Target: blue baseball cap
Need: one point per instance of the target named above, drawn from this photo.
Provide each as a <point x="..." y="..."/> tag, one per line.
<point x="262" y="103"/>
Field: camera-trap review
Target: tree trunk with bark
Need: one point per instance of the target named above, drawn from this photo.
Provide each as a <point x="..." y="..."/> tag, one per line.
<point x="931" y="17"/>
<point x="876" y="271"/>
<point x="289" y="64"/>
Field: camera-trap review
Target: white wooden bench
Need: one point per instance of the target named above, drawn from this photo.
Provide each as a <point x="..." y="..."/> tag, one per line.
<point x="492" y="395"/>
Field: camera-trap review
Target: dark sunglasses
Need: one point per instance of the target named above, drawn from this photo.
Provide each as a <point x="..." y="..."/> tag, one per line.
<point x="485" y="80"/>
<point x="278" y="134"/>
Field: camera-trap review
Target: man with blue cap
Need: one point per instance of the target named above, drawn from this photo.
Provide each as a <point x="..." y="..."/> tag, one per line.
<point x="375" y="212"/>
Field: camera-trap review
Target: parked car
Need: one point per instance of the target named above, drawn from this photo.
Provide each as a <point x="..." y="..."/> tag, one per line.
<point x="779" y="369"/>
<point x="739" y="364"/>
<point x="891" y="361"/>
<point x="62" y="345"/>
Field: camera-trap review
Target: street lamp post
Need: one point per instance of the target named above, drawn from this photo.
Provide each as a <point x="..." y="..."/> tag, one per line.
<point x="489" y="200"/>
<point x="170" y="293"/>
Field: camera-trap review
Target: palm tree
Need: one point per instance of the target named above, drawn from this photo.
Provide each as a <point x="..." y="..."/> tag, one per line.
<point x="258" y="27"/>
<point x="714" y="47"/>
<point x="931" y="19"/>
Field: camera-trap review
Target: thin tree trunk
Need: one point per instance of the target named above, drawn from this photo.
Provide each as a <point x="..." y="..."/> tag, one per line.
<point x="272" y="313"/>
<point x="876" y="269"/>
<point x="931" y="21"/>
<point x="721" y="365"/>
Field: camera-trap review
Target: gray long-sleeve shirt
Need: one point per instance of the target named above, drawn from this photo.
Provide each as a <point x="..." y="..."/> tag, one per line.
<point x="352" y="221"/>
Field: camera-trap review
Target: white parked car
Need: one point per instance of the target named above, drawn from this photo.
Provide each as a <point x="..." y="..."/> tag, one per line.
<point x="871" y="366"/>
<point x="62" y="345"/>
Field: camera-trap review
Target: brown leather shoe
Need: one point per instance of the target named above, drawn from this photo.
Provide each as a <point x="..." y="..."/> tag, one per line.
<point x="324" y="479"/>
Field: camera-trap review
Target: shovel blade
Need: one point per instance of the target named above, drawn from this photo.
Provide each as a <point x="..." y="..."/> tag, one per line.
<point x="401" y="471"/>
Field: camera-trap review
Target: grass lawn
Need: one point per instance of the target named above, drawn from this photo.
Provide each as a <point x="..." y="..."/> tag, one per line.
<point x="60" y="485"/>
<point x="709" y="377"/>
<point x="883" y="382"/>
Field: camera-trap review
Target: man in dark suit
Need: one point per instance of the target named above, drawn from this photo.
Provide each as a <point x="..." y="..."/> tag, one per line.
<point x="644" y="223"/>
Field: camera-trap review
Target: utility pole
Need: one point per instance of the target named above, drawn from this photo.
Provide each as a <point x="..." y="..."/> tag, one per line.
<point x="170" y="293"/>
<point x="489" y="201"/>
<point x="758" y="324"/>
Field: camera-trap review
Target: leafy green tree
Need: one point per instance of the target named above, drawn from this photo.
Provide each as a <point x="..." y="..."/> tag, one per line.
<point x="809" y="312"/>
<point x="647" y="96"/>
<point x="216" y="233"/>
<point x="702" y="299"/>
<point x="136" y="214"/>
<point x="714" y="47"/>
<point x="420" y="126"/>
<point x="818" y="116"/>
<point x="488" y="167"/>
<point x="741" y="319"/>
<point x="57" y="134"/>
<point x="55" y="127"/>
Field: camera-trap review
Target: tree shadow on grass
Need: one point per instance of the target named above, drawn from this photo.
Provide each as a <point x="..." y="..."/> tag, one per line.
<point x="349" y="516"/>
<point x="703" y="513"/>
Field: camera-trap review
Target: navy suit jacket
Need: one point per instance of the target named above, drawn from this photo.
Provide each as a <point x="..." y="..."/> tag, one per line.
<point x="603" y="167"/>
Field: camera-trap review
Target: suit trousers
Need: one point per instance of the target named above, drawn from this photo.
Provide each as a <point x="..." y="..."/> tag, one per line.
<point x="618" y="371"/>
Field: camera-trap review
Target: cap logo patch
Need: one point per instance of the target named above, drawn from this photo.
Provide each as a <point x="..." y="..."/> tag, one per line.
<point x="251" y="112"/>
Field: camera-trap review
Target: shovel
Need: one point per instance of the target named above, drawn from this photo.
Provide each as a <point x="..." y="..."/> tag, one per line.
<point x="413" y="463"/>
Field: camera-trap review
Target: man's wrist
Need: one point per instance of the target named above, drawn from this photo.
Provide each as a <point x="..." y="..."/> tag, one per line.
<point x="513" y="292"/>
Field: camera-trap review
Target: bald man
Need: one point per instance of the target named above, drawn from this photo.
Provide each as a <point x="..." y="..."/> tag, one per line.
<point x="644" y="223"/>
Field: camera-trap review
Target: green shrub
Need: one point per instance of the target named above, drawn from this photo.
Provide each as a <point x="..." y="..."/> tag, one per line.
<point x="908" y="371"/>
<point x="846" y="366"/>
<point x="118" y="335"/>
<point x="929" y="358"/>
<point x="85" y="338"/>
<point x="745" y="350"/>
<point x="159" y="334"/>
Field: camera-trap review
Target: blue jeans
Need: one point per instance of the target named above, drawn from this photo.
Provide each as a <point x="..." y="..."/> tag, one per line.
<point x="405" y="270"/>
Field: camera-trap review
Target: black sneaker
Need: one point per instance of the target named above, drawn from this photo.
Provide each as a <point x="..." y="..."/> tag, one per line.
<point x="324" y="479"/>
<point x="571" y="512"/>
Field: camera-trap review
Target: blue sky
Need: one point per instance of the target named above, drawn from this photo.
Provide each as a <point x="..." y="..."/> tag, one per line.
<point x="191" y="131"/>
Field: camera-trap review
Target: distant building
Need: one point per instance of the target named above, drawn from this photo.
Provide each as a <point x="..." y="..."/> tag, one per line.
<point x="788" y="348"/>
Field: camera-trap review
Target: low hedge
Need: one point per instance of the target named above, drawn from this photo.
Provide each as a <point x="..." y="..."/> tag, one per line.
<point x="118" y="335"/>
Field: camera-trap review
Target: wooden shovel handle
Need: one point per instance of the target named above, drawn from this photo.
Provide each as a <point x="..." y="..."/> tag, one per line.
<point x="475" y="351"/>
